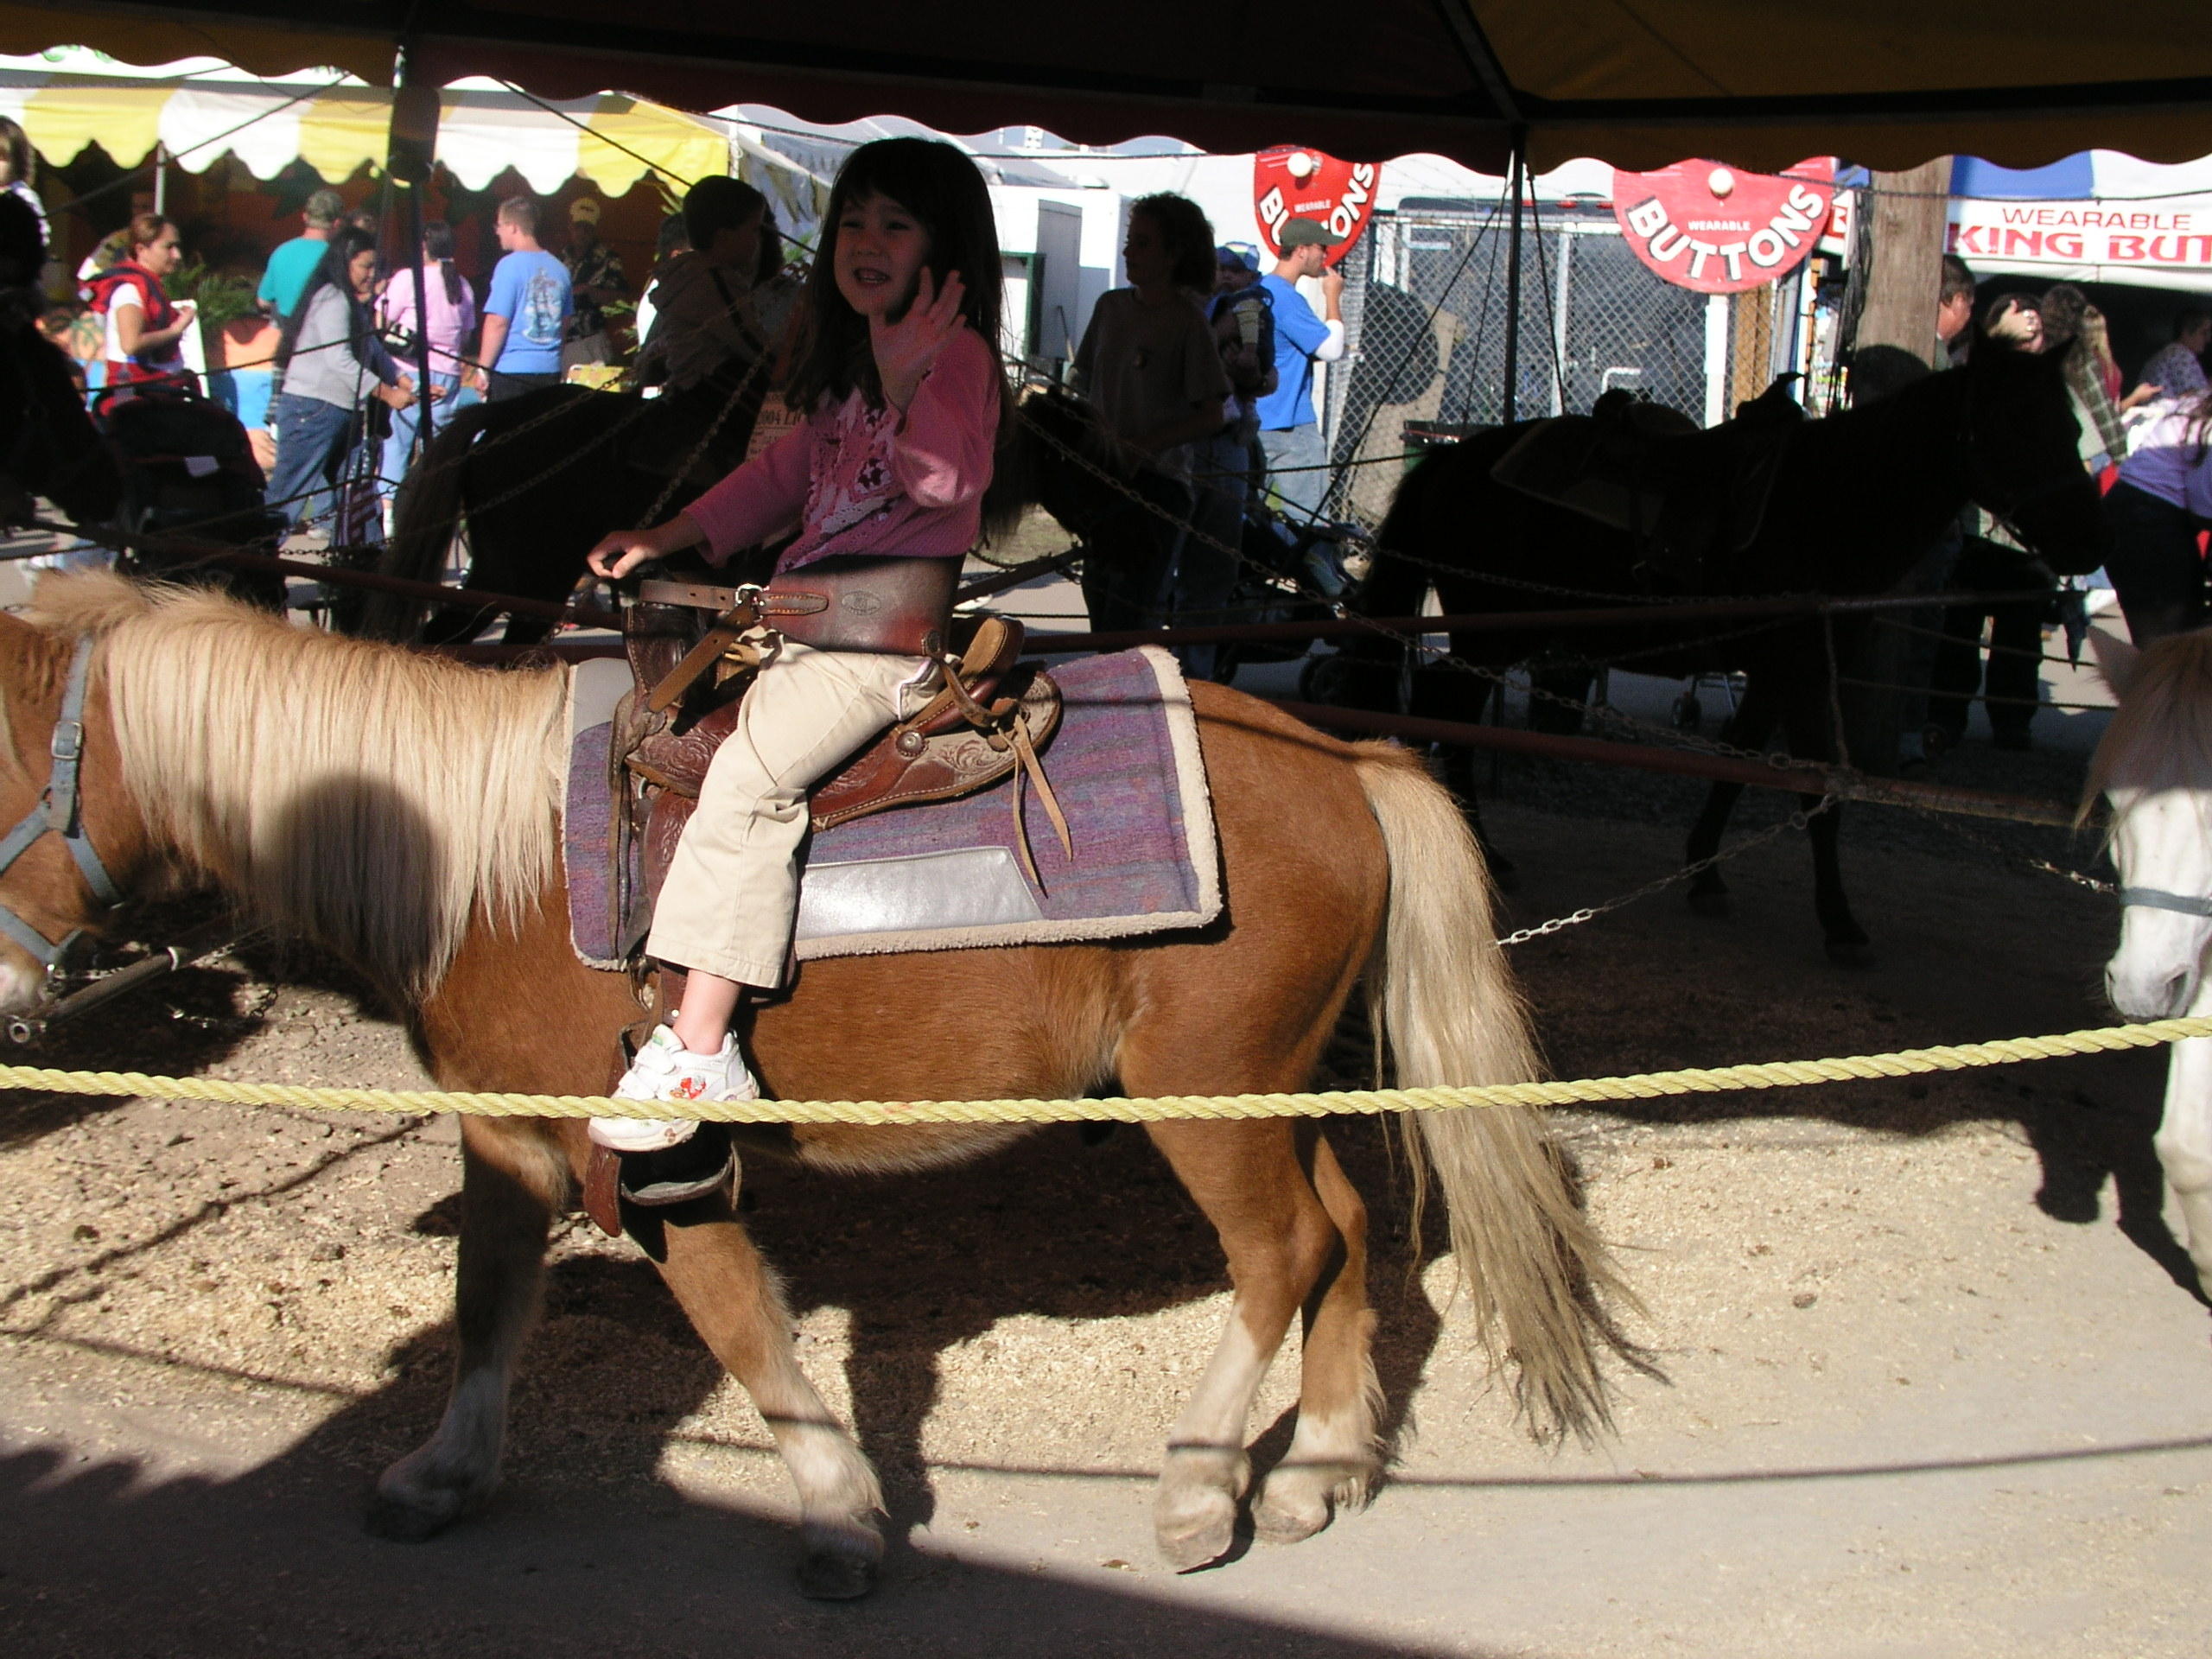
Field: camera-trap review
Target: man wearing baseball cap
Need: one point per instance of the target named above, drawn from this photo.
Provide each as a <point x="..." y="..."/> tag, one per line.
<point x="1290" y="430"/>
<point x="595" y="278"/>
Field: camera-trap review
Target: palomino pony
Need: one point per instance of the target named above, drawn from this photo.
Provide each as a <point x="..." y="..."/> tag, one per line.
<point x="1858" y="499"/>
<point x="404" y="810"/>
<point x="2154" y="764"/>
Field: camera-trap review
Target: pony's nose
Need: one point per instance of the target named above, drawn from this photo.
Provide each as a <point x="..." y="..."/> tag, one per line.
<point x="2146" y="998"/>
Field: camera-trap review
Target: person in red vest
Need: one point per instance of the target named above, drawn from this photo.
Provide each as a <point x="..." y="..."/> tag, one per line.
<point x="143" y="325"/>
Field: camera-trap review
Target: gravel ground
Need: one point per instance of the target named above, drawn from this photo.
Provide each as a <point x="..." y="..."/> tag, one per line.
<point x="1938" y="1384"/>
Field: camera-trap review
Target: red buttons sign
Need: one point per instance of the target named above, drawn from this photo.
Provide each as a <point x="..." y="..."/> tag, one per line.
<point x="1703" y="225"/>
<point x="1291" y="183"/>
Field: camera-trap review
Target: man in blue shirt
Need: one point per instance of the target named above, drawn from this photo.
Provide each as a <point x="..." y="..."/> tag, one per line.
<point x="526" y="313"/>
<point x="285" y="278"/>
<point x="1290" y="431"/>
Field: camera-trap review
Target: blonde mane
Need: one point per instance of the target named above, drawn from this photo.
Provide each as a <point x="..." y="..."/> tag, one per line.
<point x="366" y="796"/>
<point x="2161" y="734"/>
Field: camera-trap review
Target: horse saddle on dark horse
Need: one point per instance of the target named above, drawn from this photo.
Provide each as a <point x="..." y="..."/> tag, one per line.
<point x="1686" y="496"/>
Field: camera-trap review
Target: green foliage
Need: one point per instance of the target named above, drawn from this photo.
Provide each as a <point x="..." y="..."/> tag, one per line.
<point x="221" y="299"/>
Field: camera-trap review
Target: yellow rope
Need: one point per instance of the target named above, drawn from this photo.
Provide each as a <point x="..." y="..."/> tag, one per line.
<point x="1776" y="1074"/>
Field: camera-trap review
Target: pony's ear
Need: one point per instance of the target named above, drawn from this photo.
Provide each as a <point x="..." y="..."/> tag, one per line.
<point x="2116" y="661"/>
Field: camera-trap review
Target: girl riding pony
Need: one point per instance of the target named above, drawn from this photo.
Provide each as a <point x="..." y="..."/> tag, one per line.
<point x="900" y="369"/>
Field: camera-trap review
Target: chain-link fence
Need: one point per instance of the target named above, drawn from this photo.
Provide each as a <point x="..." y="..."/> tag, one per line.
<point x="1424" y="310"/>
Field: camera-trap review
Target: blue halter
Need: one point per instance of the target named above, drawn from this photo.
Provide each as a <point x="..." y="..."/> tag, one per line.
<point x="56" y="813"/>
<point x="2160" y="899"/>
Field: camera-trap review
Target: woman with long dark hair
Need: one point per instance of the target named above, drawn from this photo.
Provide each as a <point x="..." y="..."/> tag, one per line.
<point x="452" y="318"/>
<point x="333" y="367"/>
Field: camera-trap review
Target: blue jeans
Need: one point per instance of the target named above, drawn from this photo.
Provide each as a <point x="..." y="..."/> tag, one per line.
<point x="1297" y="468"/>
<point x="1205" y="575"/>
<point x="313" y="441"/>
<point x="399" y="447"/>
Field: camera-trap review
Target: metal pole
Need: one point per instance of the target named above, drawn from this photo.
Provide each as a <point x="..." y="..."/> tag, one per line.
<point x="422" y="404"/>
<point x="1517" y="173"/>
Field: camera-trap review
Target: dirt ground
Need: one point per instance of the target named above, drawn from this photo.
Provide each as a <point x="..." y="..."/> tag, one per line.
<point x="1939" y="1382"/>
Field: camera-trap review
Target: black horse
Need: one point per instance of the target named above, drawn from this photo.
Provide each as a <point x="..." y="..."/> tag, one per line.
<point x="536" y="480"/>
<point x="131" y="481"/>
<point x="1857" y="499"/>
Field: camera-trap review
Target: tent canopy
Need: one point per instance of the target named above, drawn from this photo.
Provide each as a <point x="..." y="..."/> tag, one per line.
<point x="1640" y="82"/>
<point x="336" y="125"/>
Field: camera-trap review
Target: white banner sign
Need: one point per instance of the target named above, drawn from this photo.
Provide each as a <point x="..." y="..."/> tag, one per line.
<point x="2122" y="241"/>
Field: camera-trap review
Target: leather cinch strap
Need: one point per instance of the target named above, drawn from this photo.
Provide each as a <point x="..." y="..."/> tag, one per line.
<point x="2158" y="898"/>
<point x="56" y="813"/>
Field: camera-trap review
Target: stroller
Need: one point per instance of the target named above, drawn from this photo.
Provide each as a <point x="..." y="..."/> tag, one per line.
<point x="189" y="470"/>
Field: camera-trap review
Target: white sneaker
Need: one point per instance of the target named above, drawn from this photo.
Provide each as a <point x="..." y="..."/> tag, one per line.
<point x="665" y="1069"/>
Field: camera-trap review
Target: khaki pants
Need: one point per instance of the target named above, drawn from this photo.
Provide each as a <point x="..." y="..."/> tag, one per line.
<point x="732" y="890"/>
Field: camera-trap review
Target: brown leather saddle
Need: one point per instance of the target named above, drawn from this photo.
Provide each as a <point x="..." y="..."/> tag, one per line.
<point x="1688" y="497"/>
<point x="992" y="718"/>
<point x="693" y="649"/>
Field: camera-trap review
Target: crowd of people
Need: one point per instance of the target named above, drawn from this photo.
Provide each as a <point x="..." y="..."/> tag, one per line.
<point x="1203" y="369"/>
<point x="363" y="341"/>
<point x="2150" y="447"/>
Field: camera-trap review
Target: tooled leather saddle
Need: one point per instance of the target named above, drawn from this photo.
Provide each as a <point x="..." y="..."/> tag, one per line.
<point x="992" y="718"/>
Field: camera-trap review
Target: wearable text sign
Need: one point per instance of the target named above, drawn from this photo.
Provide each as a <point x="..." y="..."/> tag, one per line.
<point x="1289" y="183"/>
<point x="1706" y="226"/>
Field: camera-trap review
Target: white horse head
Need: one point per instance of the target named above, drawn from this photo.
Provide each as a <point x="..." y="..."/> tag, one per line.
<point x="2155" y="767"/>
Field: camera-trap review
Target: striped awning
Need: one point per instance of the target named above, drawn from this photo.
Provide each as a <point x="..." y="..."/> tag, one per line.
<point x="334" y="125"/>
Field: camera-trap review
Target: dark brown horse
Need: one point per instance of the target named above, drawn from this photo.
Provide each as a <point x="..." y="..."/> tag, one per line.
<point x="1858" y="499"/>
<point x="402" y="810"/>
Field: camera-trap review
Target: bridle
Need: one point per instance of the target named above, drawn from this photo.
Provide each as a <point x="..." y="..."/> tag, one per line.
<point x="56" y="812"/>
<point x="2160" y="899"/>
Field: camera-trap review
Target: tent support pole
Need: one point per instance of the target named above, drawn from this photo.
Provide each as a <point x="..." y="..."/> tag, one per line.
<point x="412" y="148"/>
<point x="1515" y="177"/>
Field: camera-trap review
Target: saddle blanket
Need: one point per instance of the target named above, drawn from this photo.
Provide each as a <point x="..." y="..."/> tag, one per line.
<point x="947" y="876"/>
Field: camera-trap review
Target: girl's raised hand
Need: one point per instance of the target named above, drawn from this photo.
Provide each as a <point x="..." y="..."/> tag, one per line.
<point x="905" y="349"/>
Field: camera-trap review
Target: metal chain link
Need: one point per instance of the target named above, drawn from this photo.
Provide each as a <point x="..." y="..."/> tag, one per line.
<point x="1698" y="867"/>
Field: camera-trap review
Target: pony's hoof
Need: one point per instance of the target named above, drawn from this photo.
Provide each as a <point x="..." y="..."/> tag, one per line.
<point x="1194" y="1514"/>
<point x="1714" y="903"/>
<point x="835" y="1575"/>
<point x="1289" y="1511"/>
<point x="409" y="1519"/>
<point x="410" y="1506"/>
<point x="1851" y="953"/>
<point x="840" y="1561"/>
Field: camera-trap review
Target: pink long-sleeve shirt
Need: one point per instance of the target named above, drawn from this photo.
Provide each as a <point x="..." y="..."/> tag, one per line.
<point x="859" y="480"/>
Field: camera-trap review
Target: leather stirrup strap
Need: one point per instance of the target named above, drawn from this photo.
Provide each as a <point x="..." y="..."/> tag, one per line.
<point x="701" y="657"/>
<point x="1032" y="771"/>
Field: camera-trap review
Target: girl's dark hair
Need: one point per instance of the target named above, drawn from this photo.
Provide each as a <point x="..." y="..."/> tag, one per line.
<point x="939" y="186"/>
<point x="346" y="242"/>
<point x="19" y="147"/>
<point x="1183" y="226"/>
<point x="437" y="244"/>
